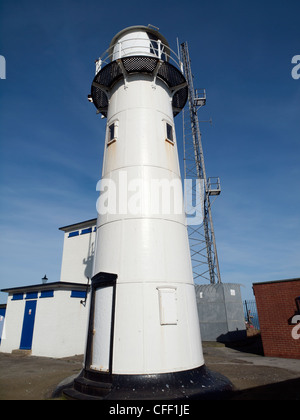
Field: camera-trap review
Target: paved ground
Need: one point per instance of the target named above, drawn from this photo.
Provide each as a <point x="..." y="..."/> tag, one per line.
<point x="254" y="376"/>
<point x="33" y="378"/>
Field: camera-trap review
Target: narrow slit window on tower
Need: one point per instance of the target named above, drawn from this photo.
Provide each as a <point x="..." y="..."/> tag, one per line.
<point x="170" y="136"/>
<point x="112" y="132"/>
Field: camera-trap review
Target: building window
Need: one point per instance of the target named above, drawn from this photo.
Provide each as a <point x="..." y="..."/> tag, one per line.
<point x="84" y="231"/>
<point x="17" y="296"/>
<point x="31" y="295"/>
<point x="78" y="294"/>
<point x="112" y="134"/>
<point x="47" y="294"/>
<point x="72" y="234"/>
<point x="169" y="132"/>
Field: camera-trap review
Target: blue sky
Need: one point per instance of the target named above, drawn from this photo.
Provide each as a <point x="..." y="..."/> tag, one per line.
<point x="51" y="141"/>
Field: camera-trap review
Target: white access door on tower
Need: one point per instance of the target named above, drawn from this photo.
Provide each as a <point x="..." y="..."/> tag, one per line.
<point x="102" y="328"/>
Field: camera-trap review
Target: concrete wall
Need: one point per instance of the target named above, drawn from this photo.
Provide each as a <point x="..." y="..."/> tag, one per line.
<point x="60" y="326"/>
<point x="78" y="255"/>
<point x="221" y="314"/>
<point x="2" y="318"/>
<point x="12" y="329"/>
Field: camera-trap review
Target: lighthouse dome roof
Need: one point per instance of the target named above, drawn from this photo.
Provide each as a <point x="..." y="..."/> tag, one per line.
<point x="138" y="28"/>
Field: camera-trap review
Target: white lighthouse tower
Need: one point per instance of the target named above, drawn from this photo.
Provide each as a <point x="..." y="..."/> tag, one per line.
<point x="143" y="338"/>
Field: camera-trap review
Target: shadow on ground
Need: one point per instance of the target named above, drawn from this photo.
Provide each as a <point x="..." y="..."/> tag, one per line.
<point x="252" y="344"/>
<point x="283" y="391"/>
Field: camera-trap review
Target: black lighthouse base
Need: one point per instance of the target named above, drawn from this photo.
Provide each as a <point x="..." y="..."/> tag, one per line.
<point x="195" y="384"/>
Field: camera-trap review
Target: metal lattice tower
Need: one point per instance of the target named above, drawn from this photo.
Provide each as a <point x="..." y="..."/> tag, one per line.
<point x="201" y="236"/>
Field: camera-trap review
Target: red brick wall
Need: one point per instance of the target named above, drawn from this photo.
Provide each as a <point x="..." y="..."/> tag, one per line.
<point x="276" y="306"/>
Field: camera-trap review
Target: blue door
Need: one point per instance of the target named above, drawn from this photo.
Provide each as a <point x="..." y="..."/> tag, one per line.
<point x="28" y="325"/>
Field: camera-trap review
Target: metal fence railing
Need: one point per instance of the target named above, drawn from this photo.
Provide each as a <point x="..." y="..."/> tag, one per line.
<point x="251" y="315"/>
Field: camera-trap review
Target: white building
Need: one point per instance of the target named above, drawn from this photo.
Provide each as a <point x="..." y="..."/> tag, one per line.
<point x="50" y="319"/>
<point x="78" y="252"/>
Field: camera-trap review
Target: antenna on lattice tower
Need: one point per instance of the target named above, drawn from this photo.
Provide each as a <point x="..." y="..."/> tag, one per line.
<point x="201" y="237"/>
